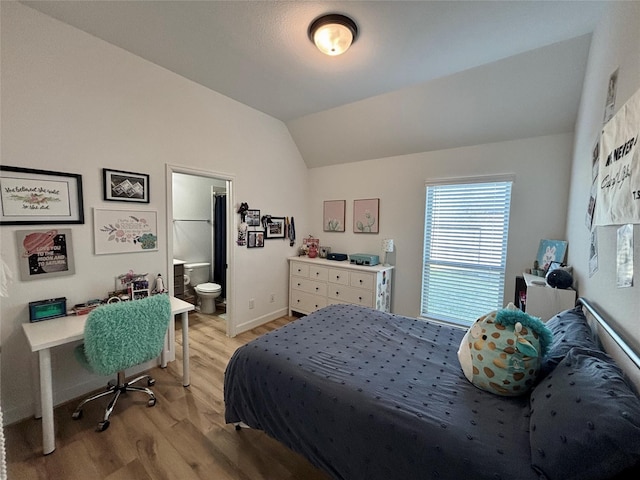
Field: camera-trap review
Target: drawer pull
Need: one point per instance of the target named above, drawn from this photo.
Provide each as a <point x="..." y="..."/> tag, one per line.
<point x="317" y="288"/>
<point x="337" y="277"/>
<point x="298" y="283"/>
<point x="360" y="281"/>
<point x="360" y="298"/>
<point x="337" y="293"/>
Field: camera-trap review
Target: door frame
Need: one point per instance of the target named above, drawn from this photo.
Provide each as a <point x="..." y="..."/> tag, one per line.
<point x="230" y="179"/>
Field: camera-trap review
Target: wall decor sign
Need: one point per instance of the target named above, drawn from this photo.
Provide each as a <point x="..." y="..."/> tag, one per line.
<point x="255" y="239"/>
<point x="45" y="253"/>
<point x="333" y="215"/>
<point x="124" y="231"/>
<point x="275" y="228"/>
<point x="618" y="198"/>
<point x="366" y="215"/>
<point x="120" y="186"/>
<point x="35" y="197"/>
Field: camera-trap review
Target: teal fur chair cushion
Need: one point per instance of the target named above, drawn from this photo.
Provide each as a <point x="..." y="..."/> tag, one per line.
<point x="121" y="335"/>
<point x="503" y="350"/>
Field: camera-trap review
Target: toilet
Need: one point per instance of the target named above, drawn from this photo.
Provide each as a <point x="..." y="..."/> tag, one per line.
<point x="197" y="277"/>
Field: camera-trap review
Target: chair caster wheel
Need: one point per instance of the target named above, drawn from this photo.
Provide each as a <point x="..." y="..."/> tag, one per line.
<point x="102" y="426"/>
<point x="151" y="382"/>
<point x="152" y="402"/>
<point x="238" y="428"/>
<point x="77" y="415"/>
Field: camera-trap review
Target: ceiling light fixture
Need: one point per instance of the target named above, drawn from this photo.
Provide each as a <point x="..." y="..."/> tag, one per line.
<point x="333" y="34"/>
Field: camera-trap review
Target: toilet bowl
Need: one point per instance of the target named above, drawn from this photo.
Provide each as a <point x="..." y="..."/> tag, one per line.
<point x="207" y="293"/>
<point x="197" y="277"/>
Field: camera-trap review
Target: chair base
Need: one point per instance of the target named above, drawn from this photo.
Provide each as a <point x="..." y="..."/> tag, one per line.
<point x="116" y="389"/>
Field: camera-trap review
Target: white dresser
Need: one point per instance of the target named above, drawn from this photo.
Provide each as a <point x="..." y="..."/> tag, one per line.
<point x="316" y="282"/>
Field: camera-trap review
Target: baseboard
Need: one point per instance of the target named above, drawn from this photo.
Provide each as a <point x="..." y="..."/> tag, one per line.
<point x="256" y="322"/>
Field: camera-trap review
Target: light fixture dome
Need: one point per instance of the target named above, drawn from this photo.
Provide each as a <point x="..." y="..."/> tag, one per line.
<point x="333" y="34"/>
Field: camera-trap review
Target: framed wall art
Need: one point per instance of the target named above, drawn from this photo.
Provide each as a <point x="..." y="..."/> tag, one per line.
<point x="252" y="218"/>
<point x="333" y="215"/>
<point x="124" y="231"/>
<point x="255" y="239"/>
<point x="276" y="228"/>
<point x="37" y="197"/>
<point x="45" y="253"/>
<point x="120" y="186"/>
<point x="550" y="251"/>
<point x="366" y="215"/>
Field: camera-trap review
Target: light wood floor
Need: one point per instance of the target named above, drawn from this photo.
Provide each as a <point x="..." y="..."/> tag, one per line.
<point x="183" y="437"/>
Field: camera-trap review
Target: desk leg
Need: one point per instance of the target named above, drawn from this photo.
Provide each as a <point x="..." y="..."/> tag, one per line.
<point x="163" y="354"/>
<point x="46" y="401"/>
<point x="185" y="349"/>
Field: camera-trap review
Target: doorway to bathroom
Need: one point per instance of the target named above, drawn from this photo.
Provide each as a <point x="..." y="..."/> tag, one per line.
<point x="199" y="224"/>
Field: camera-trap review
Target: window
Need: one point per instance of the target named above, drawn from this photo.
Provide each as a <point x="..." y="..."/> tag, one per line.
<point x="465" y="248"/>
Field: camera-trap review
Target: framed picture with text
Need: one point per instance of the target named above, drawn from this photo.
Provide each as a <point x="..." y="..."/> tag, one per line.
<point x="37" y="197"/>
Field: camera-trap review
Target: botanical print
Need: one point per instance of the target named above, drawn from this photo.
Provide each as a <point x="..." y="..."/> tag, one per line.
<point x="365" y="215"/>
<point x="124" y="231"/>
<point x="21" y="196"/>
<point x="333" y="216"/>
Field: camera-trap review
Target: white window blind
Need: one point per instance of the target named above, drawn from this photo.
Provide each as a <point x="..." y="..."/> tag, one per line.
<point x="465" y="249"/>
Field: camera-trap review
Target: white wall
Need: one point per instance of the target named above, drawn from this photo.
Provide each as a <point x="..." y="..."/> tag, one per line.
<point x="615" y="44"/>
<point x="538" y="210"/>
<point x="73" y="103"/>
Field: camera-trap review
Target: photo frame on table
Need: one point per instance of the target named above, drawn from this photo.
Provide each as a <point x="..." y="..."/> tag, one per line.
<point x="252" y="218"/>
<point x="124" y="231"/>
<point x="45" y="253"/>
<point x="366" y="214"/>
<point x="276" y="228"/>
<point x="550" y="251"/>
<point x="333" y="215"/>
<point x="121" y="186"/>
<point x="255" y="239"/>
<point x="37" y="197"/>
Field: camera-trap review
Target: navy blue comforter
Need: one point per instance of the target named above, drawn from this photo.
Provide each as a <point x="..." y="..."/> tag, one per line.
<point x="367" y="395"/>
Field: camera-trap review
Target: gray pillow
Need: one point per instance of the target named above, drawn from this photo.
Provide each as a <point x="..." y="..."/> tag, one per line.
<point x="585" y="420"/>
<point x="570" y="329"/>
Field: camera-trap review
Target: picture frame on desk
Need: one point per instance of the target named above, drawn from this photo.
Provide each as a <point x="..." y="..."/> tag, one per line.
<point x="38" y="197"/>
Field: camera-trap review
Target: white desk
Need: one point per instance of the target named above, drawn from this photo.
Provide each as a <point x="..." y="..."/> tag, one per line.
<point x="42" y="336"/>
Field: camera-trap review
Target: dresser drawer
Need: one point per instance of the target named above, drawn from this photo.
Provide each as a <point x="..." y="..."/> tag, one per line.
<point x="318" y="273"/>
<point x="305" y="302"/>
<point x="351" y="295"/>
<point x="341" y="277"/>
<point x="362" y="280"/>
<point x="309" y="286"/>
<point x="300" y="269"/>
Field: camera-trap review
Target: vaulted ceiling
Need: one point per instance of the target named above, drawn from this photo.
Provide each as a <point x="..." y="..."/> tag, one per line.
<point x="422" y="75"/>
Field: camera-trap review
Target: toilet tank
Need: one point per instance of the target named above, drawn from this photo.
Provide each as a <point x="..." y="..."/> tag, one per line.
<point x="197" y="272"/>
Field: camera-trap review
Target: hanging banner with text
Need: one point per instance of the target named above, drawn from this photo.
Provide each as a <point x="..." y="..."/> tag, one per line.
<point x="619" y="172"/>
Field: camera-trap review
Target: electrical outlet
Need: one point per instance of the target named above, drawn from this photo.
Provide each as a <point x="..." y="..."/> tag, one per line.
<point x="273" y="298"/>
<point x="252" y="303"/>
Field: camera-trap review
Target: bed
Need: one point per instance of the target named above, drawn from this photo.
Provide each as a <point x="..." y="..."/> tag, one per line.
<point x="364" y="394"/>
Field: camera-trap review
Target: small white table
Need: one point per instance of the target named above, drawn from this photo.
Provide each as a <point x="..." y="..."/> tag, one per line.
<point x="44" y="335"/>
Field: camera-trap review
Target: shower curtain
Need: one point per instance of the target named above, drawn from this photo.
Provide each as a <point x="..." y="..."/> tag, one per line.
<point x="220" y="243"/>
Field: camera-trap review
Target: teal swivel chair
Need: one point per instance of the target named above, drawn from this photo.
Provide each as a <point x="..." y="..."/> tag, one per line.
<point x="122" y="335"/>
